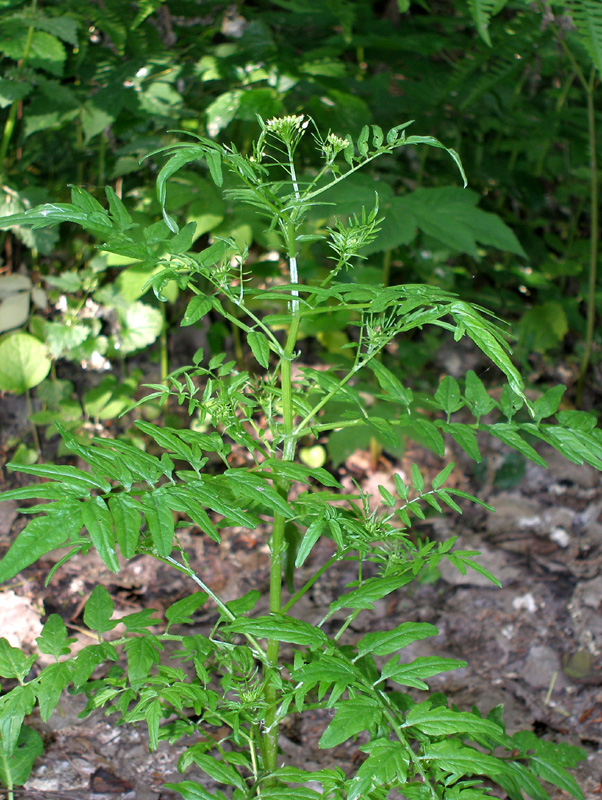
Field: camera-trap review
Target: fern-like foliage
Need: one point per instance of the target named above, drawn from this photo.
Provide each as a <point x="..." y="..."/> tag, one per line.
<point x="587" y="15"/>
<point x="482" y="11"/>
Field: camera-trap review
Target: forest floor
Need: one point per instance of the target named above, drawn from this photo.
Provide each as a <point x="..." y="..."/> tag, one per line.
<point x="534" y="645"/>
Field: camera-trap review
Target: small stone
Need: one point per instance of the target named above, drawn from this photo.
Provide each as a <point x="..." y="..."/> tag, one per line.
<point x="541" y="667"/>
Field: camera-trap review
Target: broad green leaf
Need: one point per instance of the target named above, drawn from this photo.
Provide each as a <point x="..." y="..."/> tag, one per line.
<point x="301" y="472"/>
<point x="382" y="643"/>
<point x="160" y="521"/>
<point x="66" y="474"/>
<point x="142" y="653"/>
<point x="414" y="673"/>
<point x="182" y="241"/>
<point x="197" y="308"/>
<point x="42" y="535"/>
<point x="99" y="523"/>
<point x="13" y="662"/>
<point x="152" y="714"/>
<point x="257" y="489"/>
<point x="548" y="403"/>
<point x="507" y="433"/>
<point x="311" y="536"/>
<point x="184" y="500"/>
<point x="260" y="347"/>
<point x="441" y="721"/>
<point x="387" y="762"/>
<point x="53" y="640"/>
<point x="219" y="771"/>
<point x="489" y="340"/>
<point x="440" y="479"/>
<point x="14" y="707"/>
<point x="190" y="790"/>
<point x="479" y="401"/>
<point x="180" y="612"/>
<point x="557" y="775"/>
<point x="448" y="395"/>
<point x="510" y="403"/>
<point x="53" y="680"/>
<point x="24" y="363"/>
<point x="280" y="628"/>
<point x="451" y="756"/>
<point x="99" y="610"/>
<point x="417" y="479"/>
<point x="373" y="589"/>
<point x="117" y="209"/>
<point x="390" y="384"/>
<point x="15" y="768"/>
<point x="465" y="436"/>
<point x="126" y="518"/>
<point x="352" y="717"/>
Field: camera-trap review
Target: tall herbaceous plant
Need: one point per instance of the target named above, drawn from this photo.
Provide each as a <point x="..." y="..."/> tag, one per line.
<point x="253" y="670"/>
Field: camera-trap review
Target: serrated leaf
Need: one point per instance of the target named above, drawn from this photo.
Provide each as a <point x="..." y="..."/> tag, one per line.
<point x="557" y="775"/>
<point x="219" y="771"/>
<point x="441" y="721"/>
<point x="507" y="432"/>
<point x="479" y="401"/>
<point x="14" y="707"/>
<point x="99" y="610"/>
<point x="311" y="536"/>
<point x="190" y="790"/>
<point x="383" y="643"/>
<point x="160" y="520"/>
<point x="16" y="767"/>
<point x="142" y="653"/>
<point x="53" y="680"/>
<point x="71" y="476"/>
<point x="260" y="347"/>
<point x="197" y="308"/>
<point x="440" y="479"/>
<point x="126" y="518"/>
<point x="417" y="479"/>
<point x="99" y="523"/>
<point x="548" y="403"/>
<point x="42" y="535"/>
<point x="280" y="628"/>
<point x="180" y="612"/>
<point x="448" y="395"/>
<point x="53" y="640"/>
<point x="152" y="715"/>
<point x="465" y="436"/>
<point x="453" y="757"/>
<point x="352" y="717"/>
<point x="373" y="589"/>
<point x="13" y="662"/>
<point x="414" y="673"/>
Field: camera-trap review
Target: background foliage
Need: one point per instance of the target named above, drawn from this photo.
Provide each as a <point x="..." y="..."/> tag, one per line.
<point x="88" y="91"/>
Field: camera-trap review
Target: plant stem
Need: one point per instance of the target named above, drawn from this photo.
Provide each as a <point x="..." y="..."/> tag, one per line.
<point x="34" y="430"/>
<point x="593" y="236"/>
<point x="9" y="125"/>
<point x="278" y="543"/>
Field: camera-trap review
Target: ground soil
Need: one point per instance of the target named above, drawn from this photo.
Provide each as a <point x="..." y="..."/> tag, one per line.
<point x="534" y="645"/>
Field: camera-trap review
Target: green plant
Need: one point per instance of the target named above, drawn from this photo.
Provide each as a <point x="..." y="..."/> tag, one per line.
<point x="253" y="671"/>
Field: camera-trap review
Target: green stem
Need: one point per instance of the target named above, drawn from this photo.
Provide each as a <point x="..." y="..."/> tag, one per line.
<point x="593" y="236"/>
<point x="34" y="430"/>
<point x="307" y="586"/>
<point x="278" y="542"/>
<point x="9" y="125"/>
